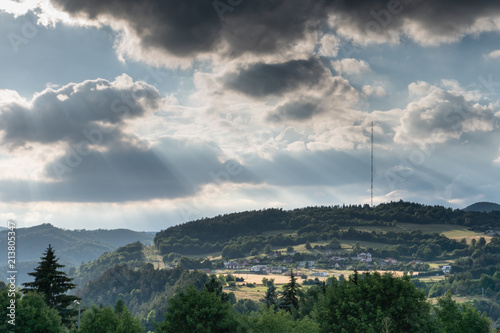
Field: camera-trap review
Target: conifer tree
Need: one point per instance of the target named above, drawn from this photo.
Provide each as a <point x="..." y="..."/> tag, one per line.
<point x="289" y="297"/>
<point x="271" y="297"/>
<point x="53" y="283"/>
<point x="213" y="286"/>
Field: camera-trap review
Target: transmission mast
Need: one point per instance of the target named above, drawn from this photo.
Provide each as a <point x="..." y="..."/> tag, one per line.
<point x="372" y="167"/>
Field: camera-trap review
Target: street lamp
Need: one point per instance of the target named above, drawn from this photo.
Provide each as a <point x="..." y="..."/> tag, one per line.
<point x="76" y="302"/>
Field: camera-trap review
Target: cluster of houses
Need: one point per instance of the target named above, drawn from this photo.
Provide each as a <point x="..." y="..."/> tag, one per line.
<point x="245" y="265"/>
<point x="256" y="269"/>
<point x="263" y="269"/>
<point x="338" y="262"/>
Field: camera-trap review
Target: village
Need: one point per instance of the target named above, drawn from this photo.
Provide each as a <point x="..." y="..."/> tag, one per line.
<point x="279" y="262"/>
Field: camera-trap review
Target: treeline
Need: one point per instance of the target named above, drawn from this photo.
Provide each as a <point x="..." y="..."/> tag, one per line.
<point x="189" y="301"/>
<point x="243" y="231"/>
<point x="368" y="302"/>
<point x="476" y="275"/>
<point x="405" y="245"/>
<point x="144" y="290"/>
<point x="32" y="314"/>
<point x="363" y="303"/>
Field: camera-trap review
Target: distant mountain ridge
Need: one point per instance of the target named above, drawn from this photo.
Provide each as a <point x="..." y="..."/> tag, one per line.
<point x="72" y="247"/>
<point x="485" y="207"/>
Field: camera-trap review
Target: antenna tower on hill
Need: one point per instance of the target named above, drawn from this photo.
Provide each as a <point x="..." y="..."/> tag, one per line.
<point x="372" y="168"/>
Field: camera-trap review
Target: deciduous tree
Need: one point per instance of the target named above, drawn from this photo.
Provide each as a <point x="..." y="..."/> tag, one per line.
<point x="198" y="311"/>
<point x="374" y="303"/>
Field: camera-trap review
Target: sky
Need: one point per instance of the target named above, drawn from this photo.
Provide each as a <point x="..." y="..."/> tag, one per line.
<point x="148" y="114"/>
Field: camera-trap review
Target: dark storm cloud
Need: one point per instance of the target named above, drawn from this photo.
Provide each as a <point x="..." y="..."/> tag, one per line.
<point x="336" y="95"/>
<point x="260" y="80"/>
<point x="261" y="27"/>
<point x="187" y="28"/>
<point x="72" y="112"/>
<point x="446" y="18"/>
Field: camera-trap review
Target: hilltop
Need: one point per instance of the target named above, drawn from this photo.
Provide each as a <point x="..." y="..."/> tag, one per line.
<point x="482" y="207"/>
<point x="238" y="233"/>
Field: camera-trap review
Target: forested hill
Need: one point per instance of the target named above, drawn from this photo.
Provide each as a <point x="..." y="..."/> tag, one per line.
<point x="483" y="207"/>
<point x="73" y="246"/>
<point x="208" y="232"/>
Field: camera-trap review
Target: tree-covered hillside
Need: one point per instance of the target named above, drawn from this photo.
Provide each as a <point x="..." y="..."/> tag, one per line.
<point x="73" y="246"/>
<point x="482" y="207"/>
<point x="401" y="230"/>
<point x="238" y="233"/>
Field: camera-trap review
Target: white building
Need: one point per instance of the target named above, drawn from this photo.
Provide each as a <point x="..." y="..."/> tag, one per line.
<point x="307" y="263"/>
<point x="258" y="268"/>
<point x="365" y="257"/>
<point x="446" y="269"/>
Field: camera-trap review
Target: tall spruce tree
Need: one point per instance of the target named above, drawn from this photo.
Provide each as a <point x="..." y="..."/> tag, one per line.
<point x="289" y="297"/>
<point x="213" y="286"/>
<point x="271" y="297"/>
<point x="53" y="284"/>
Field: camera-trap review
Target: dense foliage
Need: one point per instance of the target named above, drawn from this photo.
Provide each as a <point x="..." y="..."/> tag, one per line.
<point x="31" y="313"/>
<point x="238" y="234"/>
<point x="131" y="254"/>
<point x="73" y="246"/>
<point x="144" y="290"/>
<point x="182" y="299"/>
<point x="107" y="319"/>
<point x="198" y="311"/>
<point x="476" y="275"/>
<point x="366" y="303"/>
<point x="374" y="303"/>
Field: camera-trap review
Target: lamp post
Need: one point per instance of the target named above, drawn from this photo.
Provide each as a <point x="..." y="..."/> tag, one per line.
<point x="76" y="302"/>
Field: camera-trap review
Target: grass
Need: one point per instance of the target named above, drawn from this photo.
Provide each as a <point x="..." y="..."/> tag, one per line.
<point x="430" y="278"/>
<point x="152" y="256"/>
<point x="258" y="292"/>
<point x="285" y="232"/>
<point x="459" y="299"/>
<point x="255" y="294"/>
<point x="448" y="230"/>
<point x="348" y="244"/>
